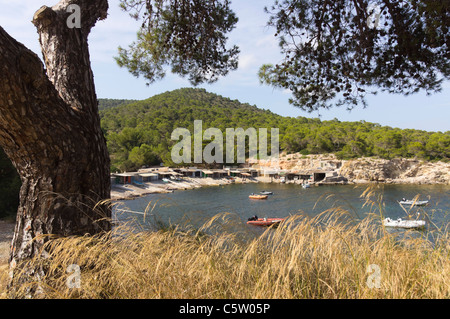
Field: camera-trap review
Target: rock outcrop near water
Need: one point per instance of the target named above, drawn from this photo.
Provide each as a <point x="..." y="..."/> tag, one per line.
<point x="401" y="170"/>
<point x="367" y="170"/>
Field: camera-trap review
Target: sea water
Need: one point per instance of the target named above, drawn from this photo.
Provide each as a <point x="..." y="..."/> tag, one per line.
<point x="197" y="206"/>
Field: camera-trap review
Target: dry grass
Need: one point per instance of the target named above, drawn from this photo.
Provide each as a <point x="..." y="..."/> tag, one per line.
<point x="323" y="257"/>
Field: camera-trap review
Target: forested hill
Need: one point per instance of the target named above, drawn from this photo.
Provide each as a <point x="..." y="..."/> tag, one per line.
<point x="139" y="133"/>
<point x="109" y="103"/>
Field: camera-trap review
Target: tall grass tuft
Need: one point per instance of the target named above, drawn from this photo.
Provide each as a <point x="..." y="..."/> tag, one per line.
<point x="329" y="256"/>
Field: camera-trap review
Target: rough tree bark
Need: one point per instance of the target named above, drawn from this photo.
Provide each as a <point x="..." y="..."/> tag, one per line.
<point x="50" y="129"/>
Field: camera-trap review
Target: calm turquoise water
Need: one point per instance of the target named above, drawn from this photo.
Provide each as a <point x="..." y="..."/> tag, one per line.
<point x="199" y="205"/>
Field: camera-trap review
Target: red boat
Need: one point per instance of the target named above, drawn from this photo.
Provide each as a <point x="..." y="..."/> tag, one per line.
<point x="253" y="196"/>
<point x="265" y="221"/>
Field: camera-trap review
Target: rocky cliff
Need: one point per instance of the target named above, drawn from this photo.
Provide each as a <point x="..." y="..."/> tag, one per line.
<point x="366" y="170"/>
<point x="396" y="171"/>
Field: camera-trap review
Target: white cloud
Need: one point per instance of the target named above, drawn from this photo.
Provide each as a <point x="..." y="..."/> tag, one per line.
<point x="247" y="61"/>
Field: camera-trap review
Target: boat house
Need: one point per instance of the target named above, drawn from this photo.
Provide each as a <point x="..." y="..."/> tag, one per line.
<point x="292" y="176"/>
<point x="126" y="178"/>
<point x="270" y="173"/>
<point x="251" y="171"/>
<point x="168" y="174"/>
<point x="220" y="173"/>
<point x="319" y="176"/>
<point x="216" y="173"/>
<point x="149" y="177"/>
<point x="190" y="172"/>
<point x="207" y="173"/>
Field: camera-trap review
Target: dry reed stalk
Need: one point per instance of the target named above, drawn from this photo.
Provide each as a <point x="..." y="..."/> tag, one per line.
<point x="327" y="256"/>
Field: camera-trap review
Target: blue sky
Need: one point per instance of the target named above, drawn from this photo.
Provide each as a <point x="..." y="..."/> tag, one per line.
<point x="257" y="45"/>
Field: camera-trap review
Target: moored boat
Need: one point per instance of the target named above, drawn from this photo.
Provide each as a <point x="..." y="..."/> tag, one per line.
<point x="255" y="196"/>
<point x="400" y="223"/>
<point x="412" y="202"/>
<point x="264" y="221"/>
<point x="266" y="193"/>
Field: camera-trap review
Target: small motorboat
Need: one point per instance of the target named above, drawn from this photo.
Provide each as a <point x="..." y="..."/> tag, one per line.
<point x="400" y="223"/>
<point x="256" y="196"/>
<point x="306" y="185"/>
<point x="265" y="222"/>
<point x="266" y="193"/>
<point x="412" y="202"/>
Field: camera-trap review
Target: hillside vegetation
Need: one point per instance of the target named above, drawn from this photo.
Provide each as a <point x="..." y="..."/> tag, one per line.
<point x="139" y="133"/>
<point x="110" y="103"/>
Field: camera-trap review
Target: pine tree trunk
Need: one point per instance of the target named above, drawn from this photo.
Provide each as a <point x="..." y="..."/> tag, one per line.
<point x="50" y="129"/>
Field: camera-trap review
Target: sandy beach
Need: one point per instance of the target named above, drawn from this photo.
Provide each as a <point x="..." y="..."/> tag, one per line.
<point x="129" y="191"/>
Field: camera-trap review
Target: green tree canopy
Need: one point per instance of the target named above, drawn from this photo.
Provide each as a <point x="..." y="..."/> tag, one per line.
<point x="140" y="133"/>
<point x="337" y="51"/>
<point x="187" y="35"/>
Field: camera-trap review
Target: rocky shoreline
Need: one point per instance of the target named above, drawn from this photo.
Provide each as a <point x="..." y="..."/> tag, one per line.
<point x="367" y="169"/>
<point x="355" y="171"/>
<point x="129" y="191"/>
<point x="396" y="171"/>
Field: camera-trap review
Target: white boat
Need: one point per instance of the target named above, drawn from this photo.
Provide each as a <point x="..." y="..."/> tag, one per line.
<point x="415" y="203"/>
<point x="165" y="180"/>
<point x="306" y="185"/>
<point x="400" y="223"/>
<point x="266" y="193"/>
